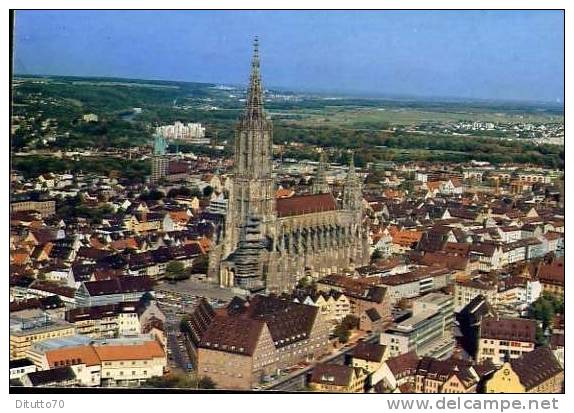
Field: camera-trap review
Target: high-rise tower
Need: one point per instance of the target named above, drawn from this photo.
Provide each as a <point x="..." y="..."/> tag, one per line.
<point x="159" y="161"/>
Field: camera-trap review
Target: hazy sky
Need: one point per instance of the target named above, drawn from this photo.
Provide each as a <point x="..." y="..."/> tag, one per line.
<point x="467" y="54"/>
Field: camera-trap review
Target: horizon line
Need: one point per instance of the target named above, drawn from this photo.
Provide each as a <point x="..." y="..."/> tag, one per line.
<point x="334" y="93"/>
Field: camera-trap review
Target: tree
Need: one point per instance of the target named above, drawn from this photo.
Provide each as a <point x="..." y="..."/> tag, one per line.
<point x="540" y="338"/>
<point x="180" y="381"/>
<point x="206" y="383"/>
<point x="153" y="195"/>
<point x="306" y="282"/>
<point x="407" y="186"/>
<point x="545" y="309"/>
<point x="207" y="191"/>
<point x="200" y="264"/>
<point x="176" y="271"/>
<point x="377" y="254"/>
<point x="343" y="329"/>
<point x="183" y="324"/>
<point x="181" y="191"/>
<point x="342" y="333"/>
<point x="350" y="322"/>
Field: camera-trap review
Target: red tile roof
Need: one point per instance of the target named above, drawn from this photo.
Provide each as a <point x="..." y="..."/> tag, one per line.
<point x="72" y="355"/>
<point x="552" y="273"/>
<point x="145" y="351"/>
<point x="512" y="329"/>
<point x="305" y="204"/>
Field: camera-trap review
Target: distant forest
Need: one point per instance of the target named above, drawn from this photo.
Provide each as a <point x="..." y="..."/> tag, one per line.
<point x="66" y="99"/>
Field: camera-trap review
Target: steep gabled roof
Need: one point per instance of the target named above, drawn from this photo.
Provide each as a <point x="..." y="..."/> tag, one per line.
<point x="119" y="285"/>
<point x="535" y="367"/>
<point x="52" y="376"/>
<point x="369" y="351"/>
<point x="305" y="204"/>
<point x="332" y="374"/>
<point x="515" y="329"/>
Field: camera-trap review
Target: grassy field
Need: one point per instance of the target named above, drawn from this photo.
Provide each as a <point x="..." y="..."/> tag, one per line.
<point x="358" y="117"/>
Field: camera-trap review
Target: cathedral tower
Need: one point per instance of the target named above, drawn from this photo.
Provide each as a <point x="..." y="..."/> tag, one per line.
<point x="253" y="186"/>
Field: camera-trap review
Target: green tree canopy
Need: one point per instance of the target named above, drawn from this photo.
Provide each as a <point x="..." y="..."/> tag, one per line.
<point x="175" y="270"/>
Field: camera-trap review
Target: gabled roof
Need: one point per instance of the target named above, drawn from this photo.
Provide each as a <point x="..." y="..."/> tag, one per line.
<point x="332" y="374"/>
<point x="92" y="253"/>
<point x="99" y="311"/>
<point x="486" y="249"/>
<point x="143" y="351"/>
<point x="552" y="273"/>
<point x="373" y="314"/>
<point x="515" y="329"/>
<point x="305" y="204"/>
<point x="71" y="356"/>
<point x="404" y="364"/>
<point x="453" y="262"/>
<point x="232" y="334"/>
<point x="369" y="351"/>
<point x="238" y="327"/>
<point x="19" y="363"/>
<point x="535" y="367"/>
<point x="119" y="285"/>
<point x="52" y="376"/>
<point x="45" y="303"/>
<point x="288" y="322"/>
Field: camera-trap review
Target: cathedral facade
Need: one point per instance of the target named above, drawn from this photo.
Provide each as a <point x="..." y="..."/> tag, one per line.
<point x="268" y="243"/>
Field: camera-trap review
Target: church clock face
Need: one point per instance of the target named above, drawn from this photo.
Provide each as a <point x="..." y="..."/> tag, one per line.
<point x="506" y="372"/>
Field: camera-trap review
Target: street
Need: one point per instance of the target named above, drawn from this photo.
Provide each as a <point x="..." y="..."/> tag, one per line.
<point x="176" y="300"/>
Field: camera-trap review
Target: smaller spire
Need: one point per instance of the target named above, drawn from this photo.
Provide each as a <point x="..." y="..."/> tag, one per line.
<point x="320" y="184"/>
<point x="352" y="173"/>
<point x="352" y="193"/>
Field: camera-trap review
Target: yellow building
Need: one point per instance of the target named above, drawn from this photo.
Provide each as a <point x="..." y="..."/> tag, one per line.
<point x="333" y="305"/>
<point x="369" y="357"/>
<point x="536" y="372"/>
<point x="130" y="364"/>
<point x="114" y="362"/>
<point x="27" y="328"/>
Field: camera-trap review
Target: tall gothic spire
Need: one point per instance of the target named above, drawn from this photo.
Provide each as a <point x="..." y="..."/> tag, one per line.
<point x="254" y="105"/>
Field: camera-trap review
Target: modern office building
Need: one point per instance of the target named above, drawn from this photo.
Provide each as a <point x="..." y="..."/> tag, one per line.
<point x="428" y="330"/>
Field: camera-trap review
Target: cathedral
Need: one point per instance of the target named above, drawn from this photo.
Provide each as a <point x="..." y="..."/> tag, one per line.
<point x="268" y="243"/>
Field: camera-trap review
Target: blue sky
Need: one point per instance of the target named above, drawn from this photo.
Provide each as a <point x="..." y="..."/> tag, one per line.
<point x="515" y="55"/>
